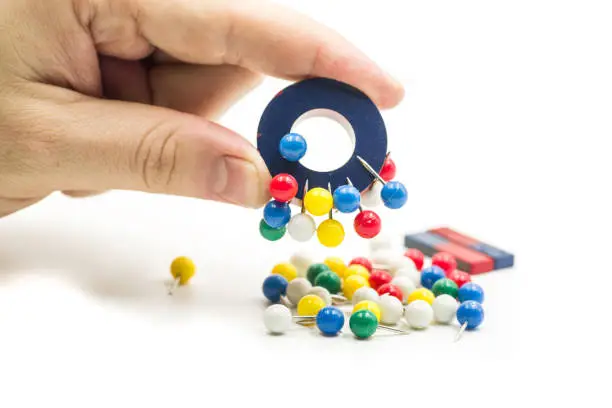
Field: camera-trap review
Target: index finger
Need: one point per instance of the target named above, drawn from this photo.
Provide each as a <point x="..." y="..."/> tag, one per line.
<point x="263" y="37"/>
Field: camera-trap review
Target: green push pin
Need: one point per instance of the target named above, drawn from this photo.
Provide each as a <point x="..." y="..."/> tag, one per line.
<point x="314" y="270"/>
<point x="269" y="233"/>
<point x="445" y="287"/>
<point x="363" y="323"/>
<point x="329" y="280"/>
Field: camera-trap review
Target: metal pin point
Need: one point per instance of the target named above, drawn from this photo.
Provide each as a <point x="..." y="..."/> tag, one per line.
<point x="351" y="183"/>
<point x="460" y="332"/>
<point x="304" y="196"/>
<point x="331" y="216"/>
<point x="370" y="170"/>
<point x="174" y="285"/>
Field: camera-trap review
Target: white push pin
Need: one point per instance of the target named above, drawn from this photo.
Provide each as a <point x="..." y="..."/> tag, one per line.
<point x="445" y="308"/>
<point x="278" y="319"/>
<point x="418" y="314"/>
<point x="302" y="226"/>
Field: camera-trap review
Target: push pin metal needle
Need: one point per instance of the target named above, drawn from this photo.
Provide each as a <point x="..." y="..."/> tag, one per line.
<point x="182" y="270"/>
<point x="393" y="193"/>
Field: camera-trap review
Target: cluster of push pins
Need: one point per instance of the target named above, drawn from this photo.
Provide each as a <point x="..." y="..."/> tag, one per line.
<point x="396" y="294"/>
<point x="319" y="201"/>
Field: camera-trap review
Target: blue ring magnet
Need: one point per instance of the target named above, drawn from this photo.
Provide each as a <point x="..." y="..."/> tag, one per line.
<point x="292" y="103"/>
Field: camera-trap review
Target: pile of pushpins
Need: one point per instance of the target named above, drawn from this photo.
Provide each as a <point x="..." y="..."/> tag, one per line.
<point x="387" y="291"/>
<point x="318" y="201"/>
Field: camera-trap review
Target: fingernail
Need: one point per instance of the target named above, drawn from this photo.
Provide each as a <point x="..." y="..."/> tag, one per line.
<point x="238" y="181"/>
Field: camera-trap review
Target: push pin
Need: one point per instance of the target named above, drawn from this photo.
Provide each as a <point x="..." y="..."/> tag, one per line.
<point x="393" y="193"/>
<point x="182" y="270"/>
<point x="363" y="323"/>
<point x="470" y="315"/>
<point x="302" y="226"/>
<point x="367" y="223"/>
<point x="292" y="147"/>
<point x="388" y="170"/>
<point x="278" y="318"/>
<point x="274" y="289"/>
<point x="330" y="232"/>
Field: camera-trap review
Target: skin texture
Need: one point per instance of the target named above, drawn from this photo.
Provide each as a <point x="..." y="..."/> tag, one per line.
<point x="122" y="94"/>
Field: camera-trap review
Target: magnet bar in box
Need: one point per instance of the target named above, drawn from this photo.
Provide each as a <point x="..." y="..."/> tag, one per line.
<point x="468" y="260"/>
<point x="502" y="259"/>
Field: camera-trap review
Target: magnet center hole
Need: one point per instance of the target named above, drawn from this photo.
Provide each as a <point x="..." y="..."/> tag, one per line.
<point x="330" y="139"/>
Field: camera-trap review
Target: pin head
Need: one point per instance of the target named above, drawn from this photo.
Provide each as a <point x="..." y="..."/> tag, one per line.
<point x="283" y="187"/>
<point x="363" y="324"/>
<point x="471" y="291"/>
<point x="405" y="284"/>
<point x="391" y="309"/>
<point x="394" y="195"/>
<point x="418" y="314"/>
<point x="368" y="305"/>
<point x="421" y="294"/>
<point x="322" y="293"/>
<point x="314" y="270"/>
<point x="330" y="320"/>
<point x="352" y="283"/>
<point x="336" y="264"/>
<point x="330" y="281"/>
<point x="183" y="269"/>
<point x="392" y="290"/>
<point x="445" y="286"/>
<point x="297" y="289"/>
<point x="470" y="313"/>
<point x="292" y="147"/>
<point x="365" y="293"/>
<point x="347" y="199"/>
<point x="444" y="260"/>
<point x="360" y="260"/>
<point x="269" y="233"/>
<point x="301" y="227"/>
<point x="445" y="308"/>
<point x="301" y="259"/>
<point x="388" y="170"/>
<point x="277" y="214"/>
<point x="277" y="319"/>
<point x="310" y="305"/>
<point x="431" y="275"/>
<point x="371" y="197"/>
<point x="459" y="277"/>
<point x="417" y="257"/>
<point x="378" y="277"/>
<point x="274" y="286"/>
<point x="357" y="269"/>
<point x="367" y="224"/>
<point x="318" y="201"/>
<point x="330" y="233"/>
<point x="286" y="270"/>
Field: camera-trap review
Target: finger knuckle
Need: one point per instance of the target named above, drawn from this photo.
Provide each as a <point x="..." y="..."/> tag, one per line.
<point x="156" y="156"/>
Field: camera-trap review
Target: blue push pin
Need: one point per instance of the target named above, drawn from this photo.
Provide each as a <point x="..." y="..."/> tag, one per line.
<point x="470" y="315"/>
<point x="292" y="147"/>
<point x="277" y="214"/>
<point x="471" y="291"/>
<point x="274" y="288"/>
<point x="347" y="199"/>
<point x="330" y="320"/>
<point x="394" y="194"/>
<point x="431" y="275"/>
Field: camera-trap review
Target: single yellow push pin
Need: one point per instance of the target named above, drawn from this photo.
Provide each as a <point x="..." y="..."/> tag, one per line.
<point x="182" y="270"/>
<point x="330" y="232"/>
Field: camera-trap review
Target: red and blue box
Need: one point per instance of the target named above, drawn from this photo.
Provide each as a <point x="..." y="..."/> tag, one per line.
<point x="472" y="255"/>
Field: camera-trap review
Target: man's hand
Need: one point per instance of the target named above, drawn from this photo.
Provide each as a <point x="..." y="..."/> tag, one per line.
<point x="120" y="94"/>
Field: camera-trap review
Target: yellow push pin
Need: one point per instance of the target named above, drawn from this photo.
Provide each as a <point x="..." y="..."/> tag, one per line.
<point x="330" y="232"/>
<point x="182" y="270"/>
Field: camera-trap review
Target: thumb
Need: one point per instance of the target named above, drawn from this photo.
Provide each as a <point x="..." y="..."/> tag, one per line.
<point x="128" y="146"/>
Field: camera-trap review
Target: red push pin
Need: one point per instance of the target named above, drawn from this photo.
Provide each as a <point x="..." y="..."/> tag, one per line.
<point x="417" y="257"/>
<point x="378" y="278"/>
<point x="392" y="290"/>
<point x="388" y="170"/>
<point x="283" y="187"/>
<point x="367" y="223"/>
<point x="444" y="260"/>
<point x="459" y="277"/>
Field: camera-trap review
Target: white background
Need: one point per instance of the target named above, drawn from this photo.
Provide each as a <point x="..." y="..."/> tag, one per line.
<point x="504" y="134"/>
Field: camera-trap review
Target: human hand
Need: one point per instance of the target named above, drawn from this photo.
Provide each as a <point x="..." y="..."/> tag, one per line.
<point x="121" y="94"/>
